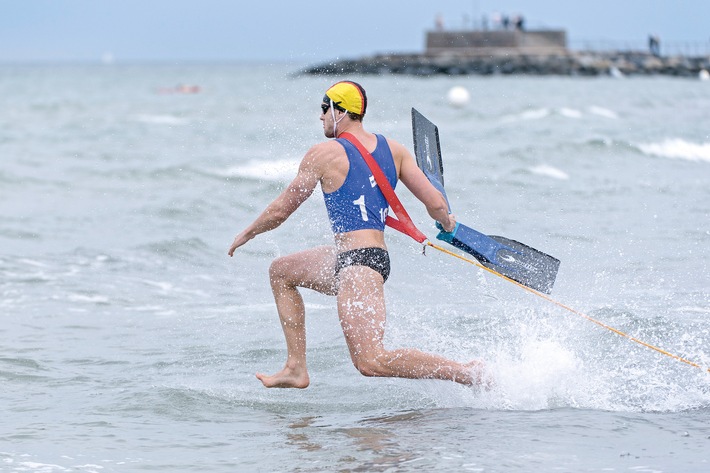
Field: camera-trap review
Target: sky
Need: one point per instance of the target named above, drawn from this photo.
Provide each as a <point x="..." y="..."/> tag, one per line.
<point x="310" y="30"/>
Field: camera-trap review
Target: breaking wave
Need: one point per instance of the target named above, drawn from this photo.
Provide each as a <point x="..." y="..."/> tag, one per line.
<point x="676" y="148"/>
<point x="549" y="171"/>
<point x="278" y="170"/>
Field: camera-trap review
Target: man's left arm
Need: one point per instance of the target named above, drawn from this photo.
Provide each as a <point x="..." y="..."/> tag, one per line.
<point x="415" y="180"/>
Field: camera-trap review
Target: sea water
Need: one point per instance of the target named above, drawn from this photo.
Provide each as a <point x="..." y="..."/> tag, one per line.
<point x="129" y="339"/>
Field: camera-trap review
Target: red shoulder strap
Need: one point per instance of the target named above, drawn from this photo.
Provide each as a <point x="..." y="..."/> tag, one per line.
<point x="403" y="223"/>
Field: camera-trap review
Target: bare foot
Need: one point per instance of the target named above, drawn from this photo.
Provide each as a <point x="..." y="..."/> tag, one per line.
<point x="286" y="378"/>
<point x="480" y="376"/>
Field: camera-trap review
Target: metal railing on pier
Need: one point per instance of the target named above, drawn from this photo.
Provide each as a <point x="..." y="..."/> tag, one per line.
<point x="667" y="48"/>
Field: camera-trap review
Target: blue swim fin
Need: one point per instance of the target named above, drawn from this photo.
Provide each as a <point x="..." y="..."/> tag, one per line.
<point x="510" y="258"/>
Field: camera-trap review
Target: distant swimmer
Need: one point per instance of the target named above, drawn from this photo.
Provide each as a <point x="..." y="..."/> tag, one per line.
<point x="357" y="266"/>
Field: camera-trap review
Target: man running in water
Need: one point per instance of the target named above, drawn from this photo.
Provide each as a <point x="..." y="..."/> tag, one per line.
<point x="356" y="268"/>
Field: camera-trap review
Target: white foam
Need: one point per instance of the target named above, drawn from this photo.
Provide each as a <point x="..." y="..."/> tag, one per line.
<point x="603" y="112"/>
<point x="168" y="287"/>
<point x="162" y="119"/>
<point x="39" y="467"/>
<point x="534" y="114"/>
<point x="90" y="466"/>
<point x="699" y="310"/>
<point x="162" y="285"/>
<point x="31" y="262"/>
<point x="549" y="171"/>
<point x="148" y="308"/>
<point x="676" y="148"/>
<point x="85" y="298"/>
<point x="272" y="170"/>
<point x="570" y="112"/>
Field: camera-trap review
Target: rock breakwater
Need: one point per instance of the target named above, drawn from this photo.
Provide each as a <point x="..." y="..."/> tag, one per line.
<point x="569" y="64"/>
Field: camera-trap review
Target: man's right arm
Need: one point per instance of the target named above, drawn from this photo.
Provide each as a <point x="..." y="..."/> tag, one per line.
<point x="302" y="186"/>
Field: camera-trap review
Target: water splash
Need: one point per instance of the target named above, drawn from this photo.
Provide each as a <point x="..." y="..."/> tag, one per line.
<point x="540" y="362"/>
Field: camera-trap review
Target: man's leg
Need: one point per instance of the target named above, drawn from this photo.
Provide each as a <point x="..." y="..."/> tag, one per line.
<point x="361" y="308"/>
<point x="312" y="269"/>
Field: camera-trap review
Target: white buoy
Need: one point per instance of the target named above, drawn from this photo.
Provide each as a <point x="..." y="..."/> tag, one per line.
<point x="703" y="75"/>
<point x="458" y="96"/>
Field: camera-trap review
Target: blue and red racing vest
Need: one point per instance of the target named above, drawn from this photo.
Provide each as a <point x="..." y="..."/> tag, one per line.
<point x="359" y="204"/>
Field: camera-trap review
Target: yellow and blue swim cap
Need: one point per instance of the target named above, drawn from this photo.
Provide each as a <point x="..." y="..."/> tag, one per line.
<point x="347" y="95"/>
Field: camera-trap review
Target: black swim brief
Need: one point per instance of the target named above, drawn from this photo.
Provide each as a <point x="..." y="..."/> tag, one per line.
<point x="374" y="258"/>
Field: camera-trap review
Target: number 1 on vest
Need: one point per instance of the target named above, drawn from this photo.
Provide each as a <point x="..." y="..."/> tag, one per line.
<point x="361" y="203"/>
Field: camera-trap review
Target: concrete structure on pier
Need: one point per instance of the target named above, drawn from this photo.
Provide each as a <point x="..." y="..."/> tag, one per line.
<point x="472" y="43"/>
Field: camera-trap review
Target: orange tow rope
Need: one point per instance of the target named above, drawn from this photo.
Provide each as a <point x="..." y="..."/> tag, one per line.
<point x="548" y="298"/>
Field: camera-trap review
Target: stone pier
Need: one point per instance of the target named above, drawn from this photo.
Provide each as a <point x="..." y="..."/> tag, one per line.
<point x="512" y="52"/>
<point x="571" y="64"/>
